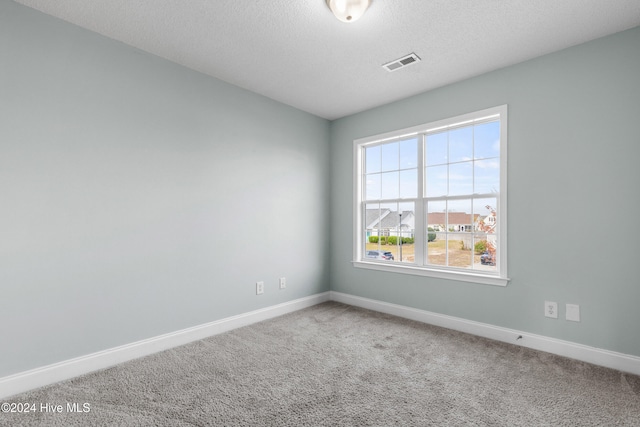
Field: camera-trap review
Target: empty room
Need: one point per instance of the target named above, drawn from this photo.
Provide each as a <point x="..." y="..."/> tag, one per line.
<point x="319" y="213"/>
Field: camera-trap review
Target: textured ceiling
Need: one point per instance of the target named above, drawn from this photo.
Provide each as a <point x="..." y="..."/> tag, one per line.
<point x="296" y="52"/>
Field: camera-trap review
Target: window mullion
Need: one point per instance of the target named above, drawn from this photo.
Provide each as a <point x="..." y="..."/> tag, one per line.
<point x="419" y="244"/>
<point x="360" y="214"/>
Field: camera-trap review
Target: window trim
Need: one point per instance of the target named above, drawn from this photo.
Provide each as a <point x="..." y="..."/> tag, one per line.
<point x="500" y="278"/>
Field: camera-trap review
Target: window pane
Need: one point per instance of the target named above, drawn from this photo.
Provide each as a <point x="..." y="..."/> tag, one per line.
<point x="486" y="214"/>
<point x="409" y="154"/>
<point x="372" y="186"/>
<point x="372" y="226"/>
<point x="486" y="176"/>
<point x="390" y="156"/>
<point x="372" y="159"/>
<point x="406" y="238"/>
<point x="436" y="181"/>
<point x="485" y="237"/>
<point x="436" y="233"/>
<point x="390" y="185"/>
<point x="382" y="230"/>
<point x="487" y="140"/>
<point x="387" y="209"/>
<point x="450" y="226"/>
<point x="482" y="258"/>
<point x="459" y="218"/>
<point x="396" y="233"/>
<point x="461" y="144"/>
<point x="409" y="184"/>
<point x="460" y="179"/>
<point x="460" y="225"/>
<point x="459" y="250"/>
<point x="436" y="149"/>
<point x="436" y="216"/>
<point x="377" y="229"/>
<point x="437" y="250"/>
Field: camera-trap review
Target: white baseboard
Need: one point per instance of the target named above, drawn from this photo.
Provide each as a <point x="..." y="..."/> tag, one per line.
<point x="67" y="369"/>
<point x="596" y="356"/>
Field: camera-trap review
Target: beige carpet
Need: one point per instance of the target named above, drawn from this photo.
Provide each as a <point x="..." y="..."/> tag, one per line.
<point x="336" y="365"/>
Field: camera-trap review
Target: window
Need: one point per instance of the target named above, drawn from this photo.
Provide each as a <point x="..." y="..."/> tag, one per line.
<point x="431" y="200"/>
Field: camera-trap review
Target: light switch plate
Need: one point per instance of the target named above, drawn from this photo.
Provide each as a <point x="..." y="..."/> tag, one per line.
<point x="573" y="312"/>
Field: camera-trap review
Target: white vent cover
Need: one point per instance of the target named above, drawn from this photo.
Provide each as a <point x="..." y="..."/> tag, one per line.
<point x="405" y="61"/>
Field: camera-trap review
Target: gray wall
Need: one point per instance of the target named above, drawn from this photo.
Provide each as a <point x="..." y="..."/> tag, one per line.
<point x="139" y="197"/>
<point x="574" y="145"/>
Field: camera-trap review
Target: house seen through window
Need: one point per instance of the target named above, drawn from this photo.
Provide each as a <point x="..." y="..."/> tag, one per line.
<point x="431" y="200"/>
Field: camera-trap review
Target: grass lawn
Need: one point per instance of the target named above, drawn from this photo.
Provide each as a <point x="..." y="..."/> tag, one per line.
<point x="458" y="257"/>
<point x="408" y="251"/>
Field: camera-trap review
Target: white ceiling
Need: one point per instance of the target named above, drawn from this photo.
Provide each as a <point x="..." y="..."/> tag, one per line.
<point x="297" y="52"/>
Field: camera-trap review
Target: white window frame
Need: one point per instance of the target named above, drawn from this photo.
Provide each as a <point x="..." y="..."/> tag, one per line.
<point x="498" y="277"/>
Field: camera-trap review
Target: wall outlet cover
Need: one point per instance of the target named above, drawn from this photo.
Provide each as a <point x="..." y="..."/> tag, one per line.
<point x="551" y="309"/>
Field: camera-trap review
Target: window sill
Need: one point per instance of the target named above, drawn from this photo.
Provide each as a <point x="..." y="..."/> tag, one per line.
<point x="428" y="272"/>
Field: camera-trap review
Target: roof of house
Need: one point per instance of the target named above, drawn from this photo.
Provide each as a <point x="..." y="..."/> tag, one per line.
<point x="454" y="218"/>
<point x="388" y="219"/>
<point x="375" y="215"/>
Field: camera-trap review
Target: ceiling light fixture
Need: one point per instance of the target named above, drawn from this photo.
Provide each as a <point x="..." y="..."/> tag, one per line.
<point x="348" y="10"/>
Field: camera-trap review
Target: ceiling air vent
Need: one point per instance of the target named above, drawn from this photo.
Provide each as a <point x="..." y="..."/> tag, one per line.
<point x="412" y="58"/>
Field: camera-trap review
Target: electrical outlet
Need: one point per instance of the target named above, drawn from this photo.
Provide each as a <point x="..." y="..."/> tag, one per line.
<point x="573" y="312"/>
<point x="259" y="288"/>
<point x="551" y="309"/>
<point x="283" y="282"/>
